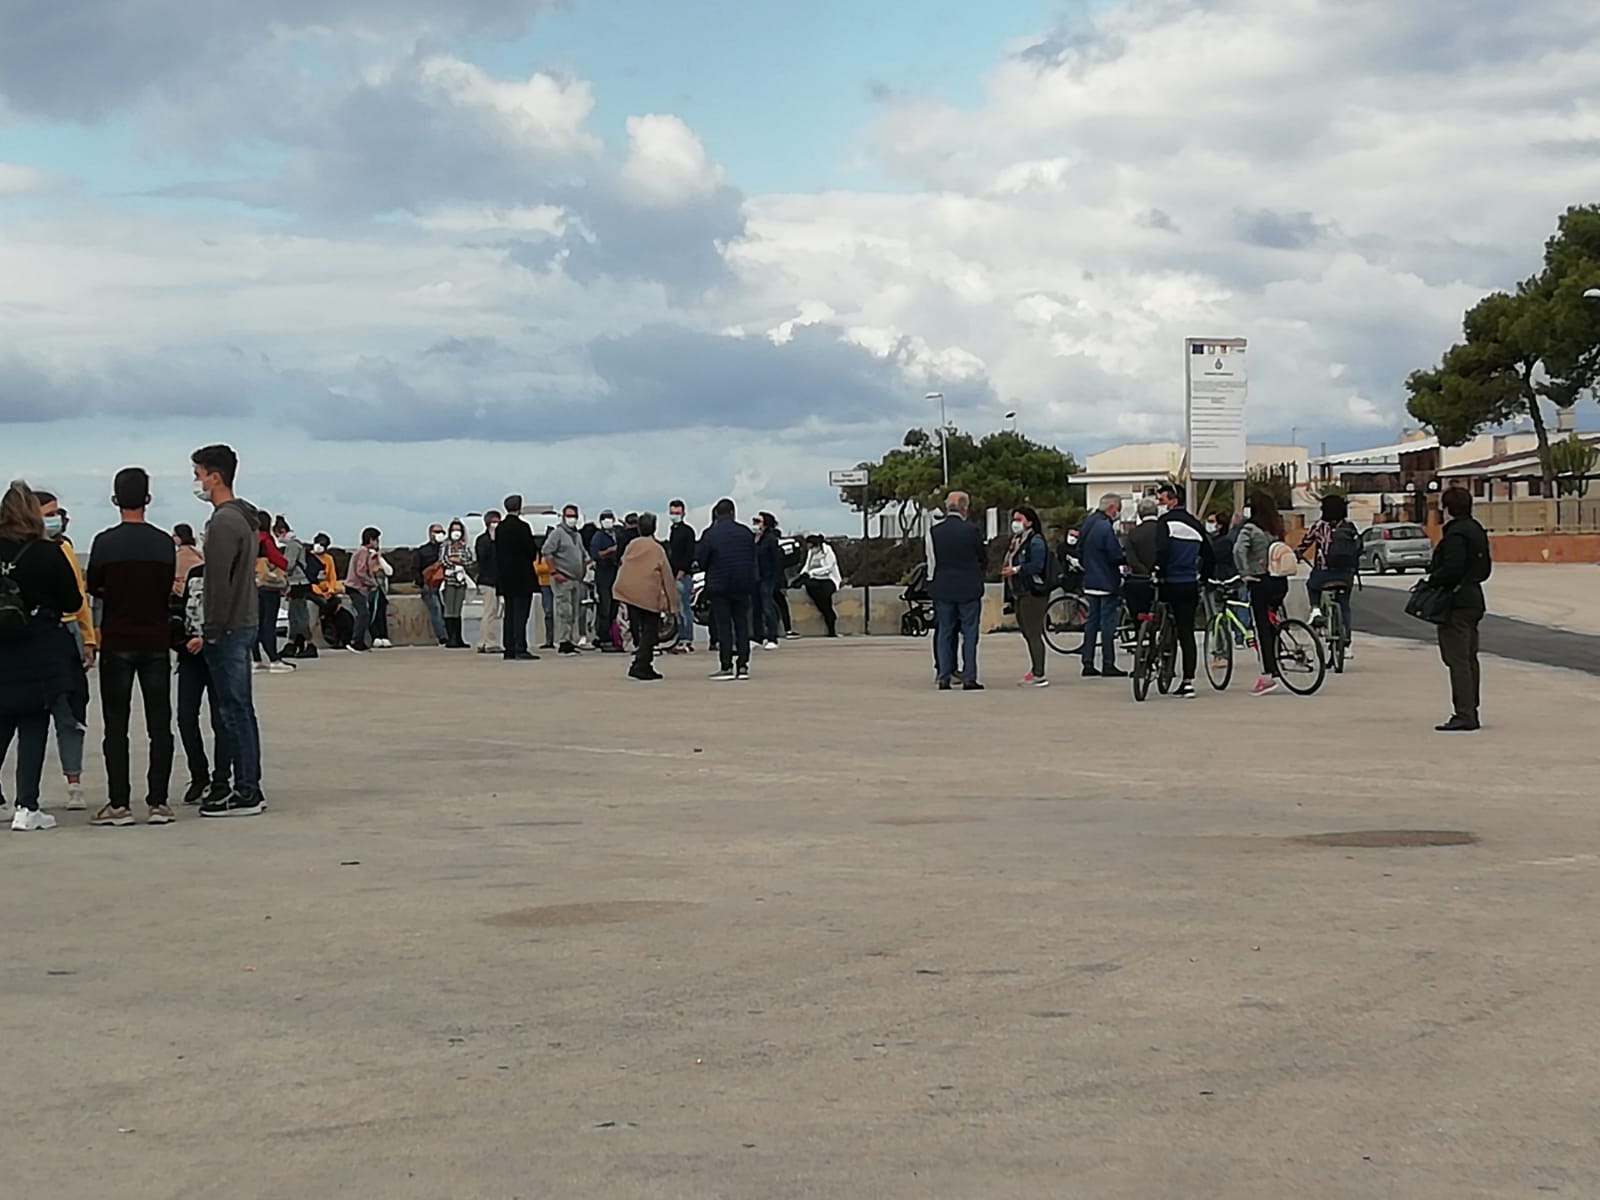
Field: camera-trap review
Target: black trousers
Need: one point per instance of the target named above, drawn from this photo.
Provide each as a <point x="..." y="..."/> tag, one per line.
<point x="1266" y="595"/>
<point x="780" y="597"/>
<point x="730" y="619"/>
<point x="646" y="627"/>
<point x="821" y="592"/>
<point x="1184" y="600"/>
<point x="1458" y="647"/>
<point x="32" y="732"/>
<point x="516" y="612"/>
<point x="153" y="671"/>
<point x="194" y="684"/>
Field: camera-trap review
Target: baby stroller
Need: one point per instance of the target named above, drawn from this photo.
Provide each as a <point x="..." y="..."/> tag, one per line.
<point x="918" y="618"/>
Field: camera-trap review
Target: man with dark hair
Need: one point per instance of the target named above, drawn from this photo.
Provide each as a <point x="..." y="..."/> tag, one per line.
<point x="1185" y="559"/>
<point x="605" y="549"/>
<point x="728" y="556"/>
<point x="131" y="569"/>
<point x="1461" y="564"/>
<point x="229" y="624"/>
<point x="515" y="552"/>
<point x="680" y="556"/>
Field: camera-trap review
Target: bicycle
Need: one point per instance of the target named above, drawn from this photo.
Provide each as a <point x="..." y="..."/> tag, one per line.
<point x="1155" y="651"/>
<point x="1225" y="629"/>
<point x="1330" y="618"/>
<point x="1301" y="657"/>
<point x="1065" y="616"/>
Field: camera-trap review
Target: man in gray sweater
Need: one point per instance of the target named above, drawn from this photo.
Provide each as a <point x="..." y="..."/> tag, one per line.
<point x="228" y="623"/>
<point x="563" y="550"/>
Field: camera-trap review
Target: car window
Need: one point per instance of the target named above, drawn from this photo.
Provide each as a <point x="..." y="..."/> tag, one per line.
<point x="1372" y="535"/>
<point x="1409" y="533"/>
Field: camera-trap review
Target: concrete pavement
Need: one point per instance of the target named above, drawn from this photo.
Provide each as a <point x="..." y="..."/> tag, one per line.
<point x="530" y="930"/>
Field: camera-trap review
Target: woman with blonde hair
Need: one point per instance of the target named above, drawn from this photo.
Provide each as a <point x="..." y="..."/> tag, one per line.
<point x="37" y="587"/>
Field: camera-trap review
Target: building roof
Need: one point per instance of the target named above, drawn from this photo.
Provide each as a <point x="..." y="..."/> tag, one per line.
<point x="1517" y="464"/>
<point x="1389" y="453"/>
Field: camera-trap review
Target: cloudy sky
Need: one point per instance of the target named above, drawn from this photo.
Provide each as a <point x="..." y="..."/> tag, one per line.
<point x="409" y="255"/>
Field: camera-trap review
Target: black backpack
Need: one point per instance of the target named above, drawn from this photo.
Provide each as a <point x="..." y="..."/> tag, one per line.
<point x="1344" y="548"/>
<point x="15" y="612"/>
<point x="1051" y="575"/>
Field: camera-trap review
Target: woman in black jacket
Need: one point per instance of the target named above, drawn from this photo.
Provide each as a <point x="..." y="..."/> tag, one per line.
<point x="769" y="578"/>
<point x="37" y="586"/>
<point x="1461" y="564"/>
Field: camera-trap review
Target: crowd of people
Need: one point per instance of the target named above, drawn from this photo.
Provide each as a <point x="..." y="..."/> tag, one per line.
<point x="1168" y="552"/>
<point x="210" y="604"/>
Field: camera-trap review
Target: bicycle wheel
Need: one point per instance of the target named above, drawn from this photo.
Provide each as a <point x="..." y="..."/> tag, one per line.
<point x="1167" y="659"/>
<point x="1336" y="643"/>
<point x="671" y="631"/>
<point x="1301" y="665"/>
<point x="1063" y="623"/>
<point x="1144" y="660"/>
<point x="1219" y="653"/>
<point x="910" y="625"/>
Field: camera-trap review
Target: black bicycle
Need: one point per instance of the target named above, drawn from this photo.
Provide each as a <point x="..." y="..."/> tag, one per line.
<point x="1155" y="651"/>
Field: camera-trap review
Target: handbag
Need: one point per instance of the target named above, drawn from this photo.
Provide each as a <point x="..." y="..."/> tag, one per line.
<point x="1431" y="603"/>
<point x="433" y="575"/>
<point x="270" y="578"/>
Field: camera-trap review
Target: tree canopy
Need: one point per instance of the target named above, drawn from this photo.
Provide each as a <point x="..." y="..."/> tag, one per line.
<point x="1000" y="469"/>
<point x="1540" y="343"/>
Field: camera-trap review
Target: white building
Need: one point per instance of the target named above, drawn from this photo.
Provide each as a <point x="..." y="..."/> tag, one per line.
<point x="1138" y="468"/>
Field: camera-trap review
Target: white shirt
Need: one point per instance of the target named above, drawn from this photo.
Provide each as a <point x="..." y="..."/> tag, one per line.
<point x="822" y="563"/>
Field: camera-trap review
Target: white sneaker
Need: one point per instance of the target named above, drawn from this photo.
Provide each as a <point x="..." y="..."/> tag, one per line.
<point x="260" y="668"/>
<point x="583" y="643"/>
<point x="27" y="820"/>
<point x="384" y="644"/>
<point x="280" y="668"/>
<point x="769" y="645"/>
<point x="75" y="801"/>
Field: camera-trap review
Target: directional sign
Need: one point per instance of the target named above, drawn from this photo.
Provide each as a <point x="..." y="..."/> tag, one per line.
<point x="1216" y="385"/>
<point x="847" y="479"/>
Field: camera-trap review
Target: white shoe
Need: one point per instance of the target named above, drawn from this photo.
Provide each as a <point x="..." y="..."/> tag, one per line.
<point x="583" y="643"/>
<point x="75" y="801"/>
<point x="260" y="668"/>
<point x="280" y="668"/>
<point x="769" y="645"/>
<point x="27" y="820"/>
<point x="384" y="643"/>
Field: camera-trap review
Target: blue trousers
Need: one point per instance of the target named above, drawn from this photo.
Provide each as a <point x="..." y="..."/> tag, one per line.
<point x="956" y="620"/>
<point x="1105" y="612"/>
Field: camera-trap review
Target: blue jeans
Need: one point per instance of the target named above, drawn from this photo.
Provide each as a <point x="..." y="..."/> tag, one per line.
<point x="1105" y="612"/>
<point x="955" y="619"/>
<point x="430" y="597"/>
<point x="686" y="603"/>
<point x="766" y="613"/>
<point x="228" y="660"/>
<point x="547" y="602"/>
<point x="363" y="604"/>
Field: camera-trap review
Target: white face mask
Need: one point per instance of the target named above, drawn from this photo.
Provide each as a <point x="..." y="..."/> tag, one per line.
<point x="608" y="523"/>
<point x="438" y="537"/>
<point x="1017" y="527"/>
<point x="455" y="535"/>
<point x="1212" y="527"/>
<point x="570" y="522"/>
<point x="200" y="492"/>
<point x="318" y="548"/>
<point x="677" y="518"/>
<point x="1246" y="512"/>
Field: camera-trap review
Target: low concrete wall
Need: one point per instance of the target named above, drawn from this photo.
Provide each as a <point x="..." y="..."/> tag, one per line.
<point x="1545" y="547"/>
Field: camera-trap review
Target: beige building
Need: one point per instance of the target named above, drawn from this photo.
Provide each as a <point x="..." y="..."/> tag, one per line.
<point x="1138" y="468"/>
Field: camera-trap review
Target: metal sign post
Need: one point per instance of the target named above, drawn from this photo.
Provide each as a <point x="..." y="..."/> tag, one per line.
<point x="1216" y="385"/>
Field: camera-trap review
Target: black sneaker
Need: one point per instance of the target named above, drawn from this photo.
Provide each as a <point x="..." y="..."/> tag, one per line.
<point x="568" y="650"/>
<point x="1091" y="672"/>
<point x="744" y="673"/>
<point x="235" y="804"/>
<point x="725" y="675"/>
<point x="1113" y="673"/>
<point x="944" y="685"/>
<point x="972" y="685"/>
<point x="547" y="645"/>
<point x="196" y="791"/>
<point x="1185" y="691"/>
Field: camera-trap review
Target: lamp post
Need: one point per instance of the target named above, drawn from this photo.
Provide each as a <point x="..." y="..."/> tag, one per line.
<point x="944" y="434"/>
<point x="1592" y="294"/>
<point x="1012" y="417"/>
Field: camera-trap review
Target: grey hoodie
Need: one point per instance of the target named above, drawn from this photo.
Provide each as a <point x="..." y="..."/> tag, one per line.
<point x="565" y="552"/>
<point x="230" y="577"/>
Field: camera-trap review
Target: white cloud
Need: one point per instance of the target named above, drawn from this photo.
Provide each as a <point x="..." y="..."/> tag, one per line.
<point x="19" y="180"/>
<point x="541" y="114"/>
<point x="666" y="164"/>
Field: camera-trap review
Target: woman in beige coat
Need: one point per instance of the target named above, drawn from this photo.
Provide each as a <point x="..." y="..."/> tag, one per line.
<point x="646" y="584"/>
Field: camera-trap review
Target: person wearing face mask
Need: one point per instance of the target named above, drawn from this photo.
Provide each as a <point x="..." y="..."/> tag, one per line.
<point x="606" y="554"/>
<point x="456" y="556"/>
<point x="488" y="584"/>
<point x="36" y="653"/>
<point x="70" y="713"/>
<point x="299" y="588"/>
<point x="680" y="556"/>
<point x="769" y="578"/>
<point x="1102" y="556"/>
<point x="382" y="578"/>
<point x="564" y="552"/>
<point x="1024" y="574"/>
<point x="1186" y="560"/>
<point x="272" y="581"/>
<point x="821" y="578"/>
<point x="361" y="585"/>
<point x="228" y="621"/>
<point x="430" y="578"/>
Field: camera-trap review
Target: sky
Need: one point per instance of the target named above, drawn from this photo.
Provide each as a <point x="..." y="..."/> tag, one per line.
<point x="408" y="256"/>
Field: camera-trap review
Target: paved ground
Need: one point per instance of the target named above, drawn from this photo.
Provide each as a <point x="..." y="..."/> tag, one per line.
<point x="532" y="931"/>
<point x="1560" y="595"/>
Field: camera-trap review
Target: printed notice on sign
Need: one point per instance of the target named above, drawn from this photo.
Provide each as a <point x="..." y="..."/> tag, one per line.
<point x="1216" y="384"/>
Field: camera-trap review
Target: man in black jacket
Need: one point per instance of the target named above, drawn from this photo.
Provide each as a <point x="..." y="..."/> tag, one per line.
<point x="680" y="556"/>
<point x="728" y="556"/>
<point x="1461" y="562"/>
<point x="956" y="573"/>
<point x="488" y="582"/>
<point x="514" y="555"/>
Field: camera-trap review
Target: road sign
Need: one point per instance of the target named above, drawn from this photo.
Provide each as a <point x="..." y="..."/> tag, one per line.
<point x="846" y="479"/>
<point x="1215" y="388"/>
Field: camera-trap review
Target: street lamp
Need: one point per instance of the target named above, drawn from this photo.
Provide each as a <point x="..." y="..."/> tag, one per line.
<point x="944" y="434"/>
<point x="1592" y="294"/>
<point x="1012" y="417"/>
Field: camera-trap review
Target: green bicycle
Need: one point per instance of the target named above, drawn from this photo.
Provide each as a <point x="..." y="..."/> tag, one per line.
<point x="1225" y="629"/>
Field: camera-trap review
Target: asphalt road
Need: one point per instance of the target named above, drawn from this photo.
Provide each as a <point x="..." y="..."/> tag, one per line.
<point x="1383" y="611"/>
